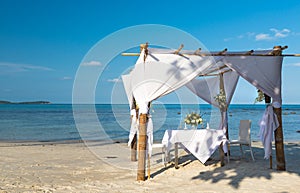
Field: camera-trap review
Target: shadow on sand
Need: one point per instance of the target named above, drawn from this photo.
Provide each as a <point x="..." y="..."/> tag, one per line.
<point x="239" y="166"/>
<point x="260" y="168"/>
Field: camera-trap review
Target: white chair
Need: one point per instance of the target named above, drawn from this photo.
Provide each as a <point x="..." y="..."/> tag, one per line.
<point x="165" y="157"/>
<point x="244" y="136"/>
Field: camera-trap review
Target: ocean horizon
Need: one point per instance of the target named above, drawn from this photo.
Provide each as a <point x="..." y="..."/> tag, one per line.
<point x="55" y="121"/>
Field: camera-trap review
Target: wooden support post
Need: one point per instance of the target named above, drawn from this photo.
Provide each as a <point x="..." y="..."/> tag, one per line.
<point x="222" y="162"/>
<point x="222" y="87"/>
<point x="142" y="145"/>
<point x="280" y="159"/>
<point x="134" y="148"/>
<point x="176" y="156"/>
<point x="225" y="109"/>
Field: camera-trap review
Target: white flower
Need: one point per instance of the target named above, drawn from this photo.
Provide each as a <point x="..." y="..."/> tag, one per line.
<point x="221" y="99"/>
<point x="193" y="119"/>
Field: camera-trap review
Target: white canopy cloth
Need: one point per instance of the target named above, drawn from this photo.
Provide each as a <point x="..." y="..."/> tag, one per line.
<point x="264" y="72"/>
<point x="127" y="85"/>
<point x="201" y="143"/>
<point x="208" y="87"/>
<point x="133" y="127"/>
<point x="161" y="74"/>
<point x="268" y="124"/>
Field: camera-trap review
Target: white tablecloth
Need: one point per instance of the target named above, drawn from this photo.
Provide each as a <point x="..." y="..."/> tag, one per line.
<point x="201" y="143"/>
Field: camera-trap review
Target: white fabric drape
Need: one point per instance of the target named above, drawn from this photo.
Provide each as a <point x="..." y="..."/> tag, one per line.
<point x="208" y="88"/>
<point x="161" y="74"/>
<point x="261" y="71"/>
<point x="268" y="124"/>
<point x="134" y="126"/>
<point x="149" y="135"/>
<point x="127" y="85"/>
<point x="134" y="130"/>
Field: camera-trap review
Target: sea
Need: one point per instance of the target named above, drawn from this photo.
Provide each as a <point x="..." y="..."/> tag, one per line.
<point x="63" y="122"/>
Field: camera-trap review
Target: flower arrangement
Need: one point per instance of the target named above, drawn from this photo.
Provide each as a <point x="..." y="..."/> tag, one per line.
<point x="221" y="99"/>
<point x="193" y="119"/>
<point x="260" y="96"/>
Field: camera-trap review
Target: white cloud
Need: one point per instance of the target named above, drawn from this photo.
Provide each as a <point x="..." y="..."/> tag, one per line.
<point x="276" y="34"/>
<point x="91" y="63"/>
<point x="13" y="67"/>
<point x="115" y="80"/>
<point x="263" y="36"/>
<point x="280" y="33"/>
<point x="241" y="36"/>
<point x="227" y="39"/>
<point x="66" y="78"/>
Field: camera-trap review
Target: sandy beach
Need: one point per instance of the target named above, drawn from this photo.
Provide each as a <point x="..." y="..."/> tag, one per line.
<point x="74" y="167"/>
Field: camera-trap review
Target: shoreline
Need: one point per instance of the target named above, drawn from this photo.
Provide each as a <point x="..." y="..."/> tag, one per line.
<point x="75" y="141"/>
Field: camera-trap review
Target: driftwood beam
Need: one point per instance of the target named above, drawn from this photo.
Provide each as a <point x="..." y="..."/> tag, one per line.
<point x="179" y="49"/>
<point x="249" y="52"/>
<point x="222" y="52"/>
<point x="197" y="52"/>
<point x="277" y="51"/>
<point x="203" y="54"/>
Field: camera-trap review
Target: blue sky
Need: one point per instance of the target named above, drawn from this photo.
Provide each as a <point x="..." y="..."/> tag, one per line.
<point x="42" y="43"/>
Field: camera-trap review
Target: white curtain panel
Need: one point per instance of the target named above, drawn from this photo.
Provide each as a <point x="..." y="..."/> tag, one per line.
<point x="264" y="72"/>
<point x="127" y="86"/>
<point x="268" y="124"/>
<point x="161" y="74"/>
<point x="208" y="87"/>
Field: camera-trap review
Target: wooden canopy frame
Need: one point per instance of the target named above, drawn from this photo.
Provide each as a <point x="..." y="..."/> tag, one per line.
<point x="142" y="139"/>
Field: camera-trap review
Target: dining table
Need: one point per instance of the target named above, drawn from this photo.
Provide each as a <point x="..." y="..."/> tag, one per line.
<point x="202" y="143"/>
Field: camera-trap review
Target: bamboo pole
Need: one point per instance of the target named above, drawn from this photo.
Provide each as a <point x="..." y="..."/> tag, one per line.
<point x="280" y="159"/>
<point x="179" y="49"/>
<point x="221" y="53"/>
<point x="223" y="119"/>
<point x="142" y="144"/>
<point x="176" y="156"/>
<point x="197" y="52"/>
<point x="142" y="139"/>
<point x="131" y="54"/>
<point x="225" y="110"/>
<point x="217" y="54"/>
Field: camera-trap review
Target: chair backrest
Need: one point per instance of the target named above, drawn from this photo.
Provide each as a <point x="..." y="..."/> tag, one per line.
<point x="244" y="132"/>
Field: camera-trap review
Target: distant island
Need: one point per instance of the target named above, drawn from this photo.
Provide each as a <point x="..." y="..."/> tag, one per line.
<point x="29" y="102"/>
